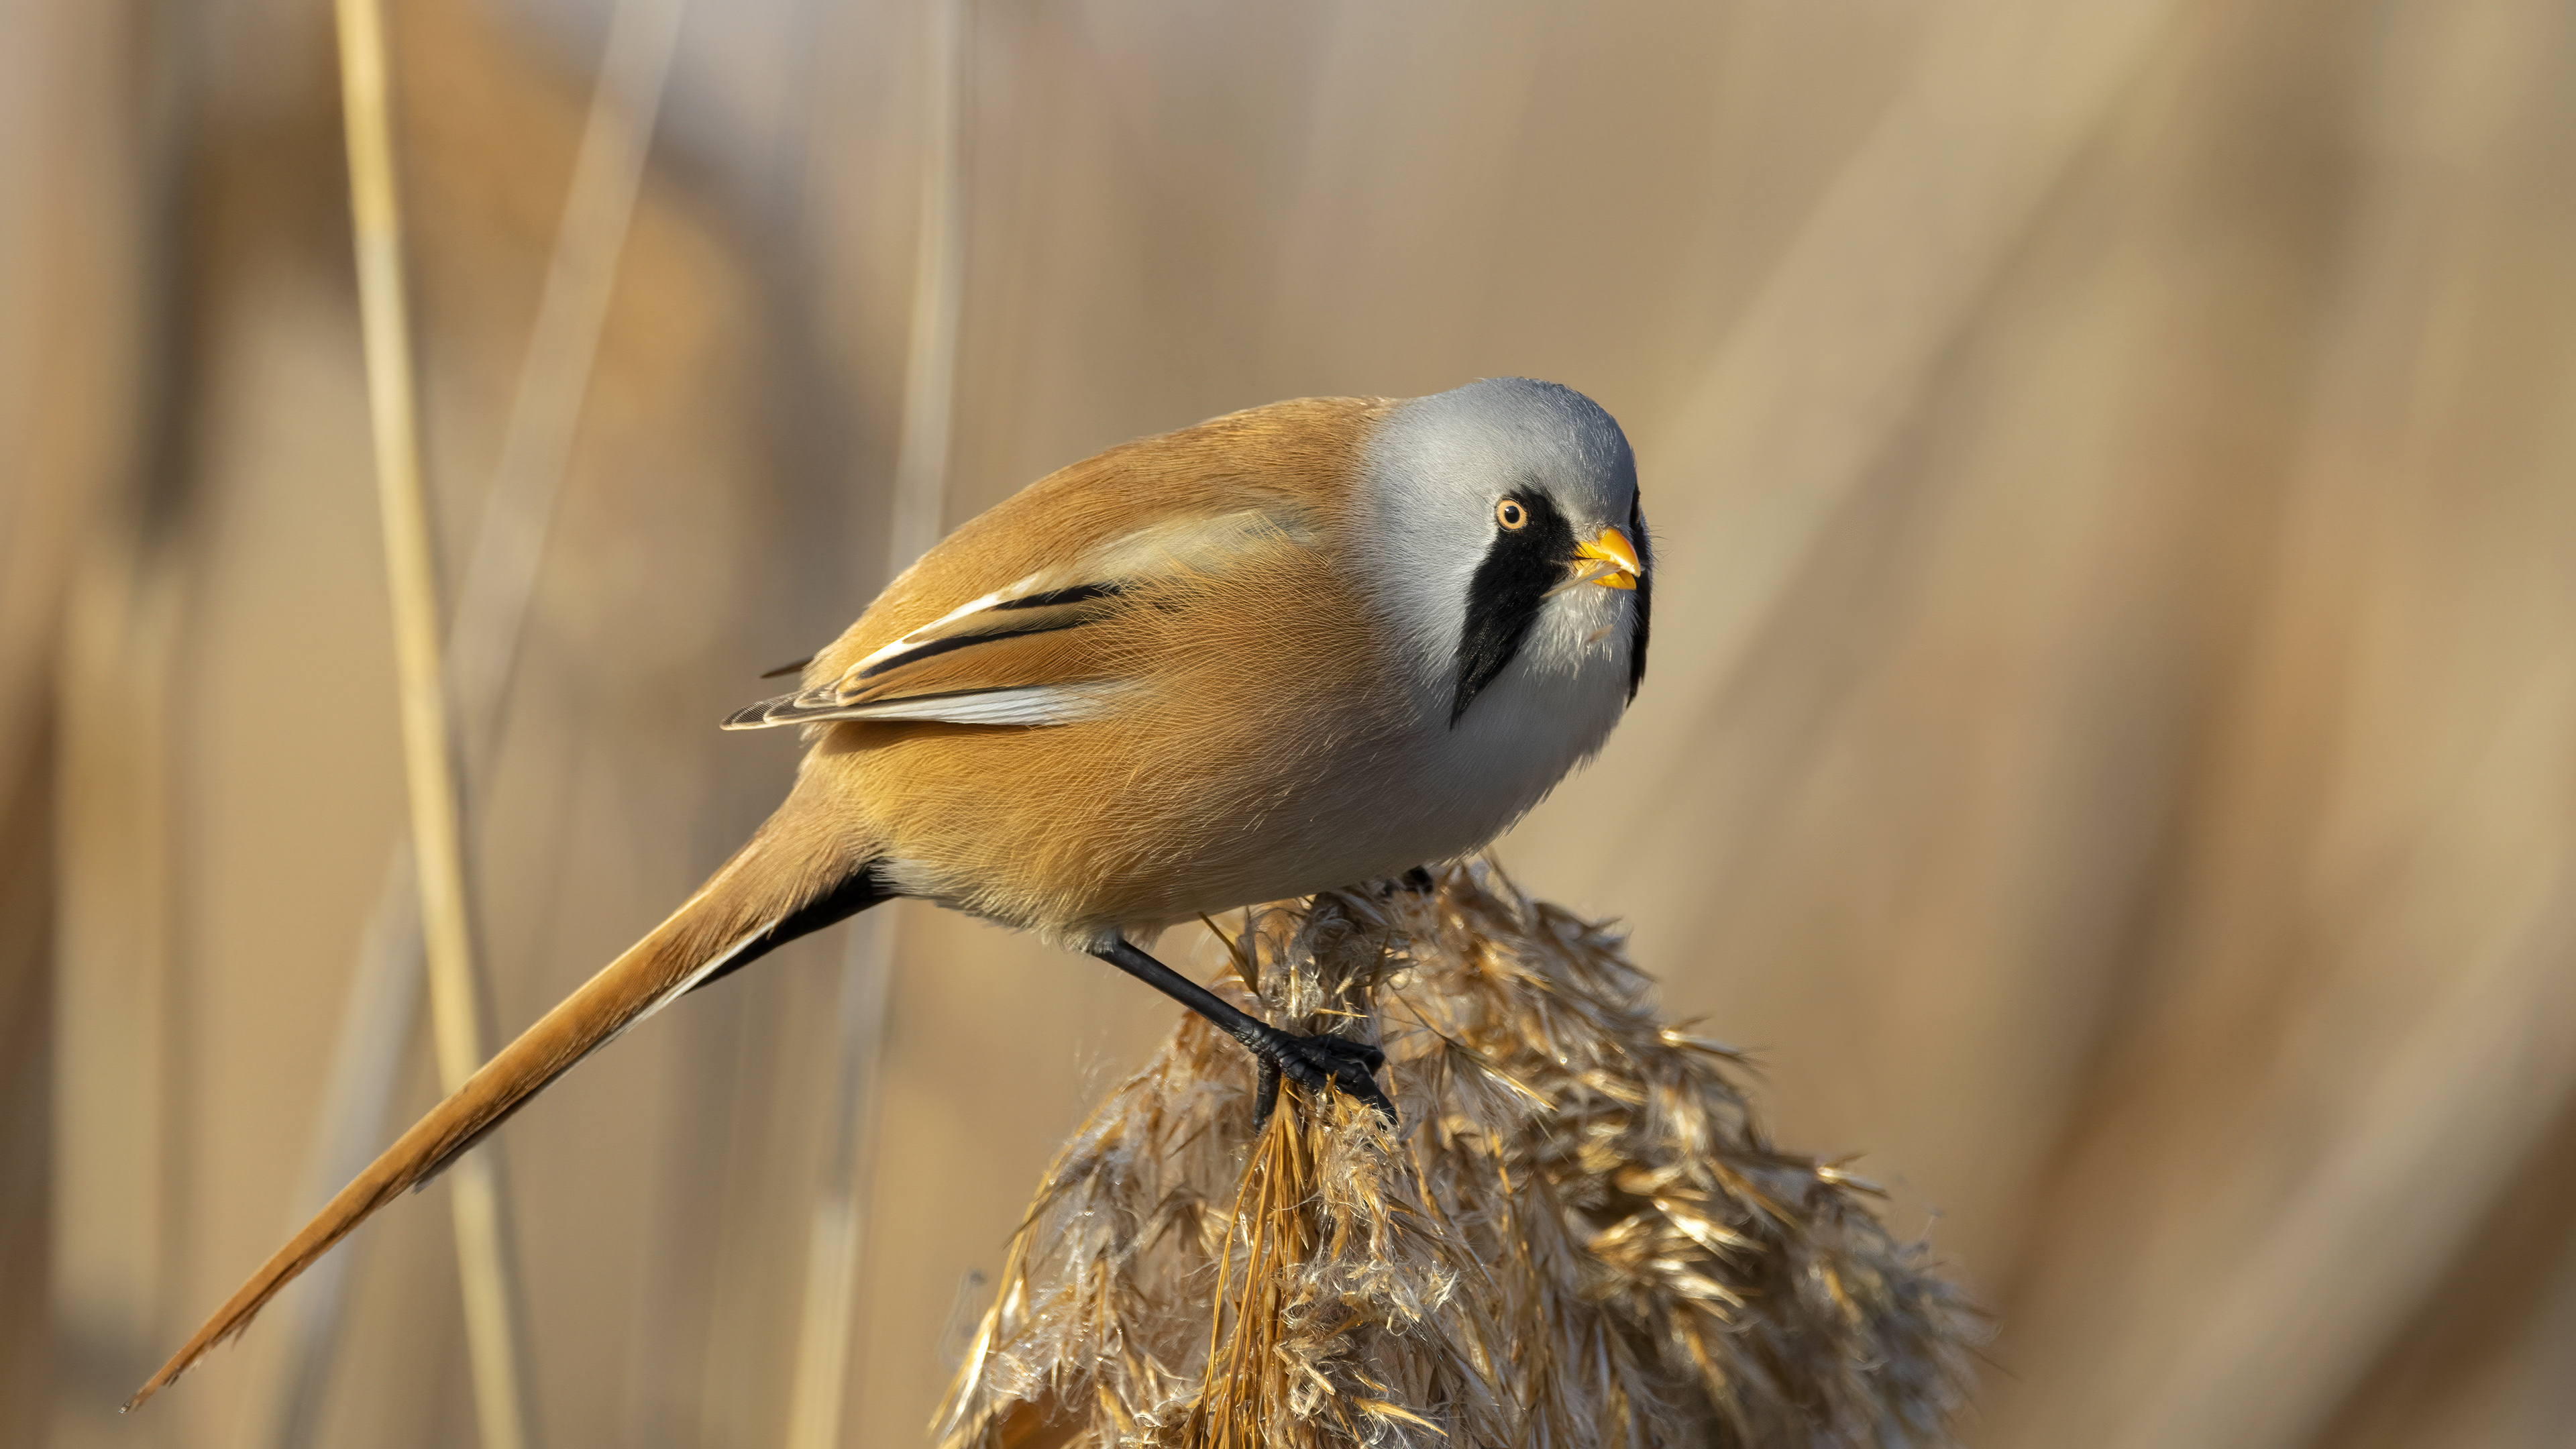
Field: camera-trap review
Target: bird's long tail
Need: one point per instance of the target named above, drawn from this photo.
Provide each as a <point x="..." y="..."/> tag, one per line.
<point x="785" y="882"/>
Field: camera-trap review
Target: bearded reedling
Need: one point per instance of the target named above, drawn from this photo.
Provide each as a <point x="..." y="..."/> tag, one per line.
<point x="1379" y="630"/>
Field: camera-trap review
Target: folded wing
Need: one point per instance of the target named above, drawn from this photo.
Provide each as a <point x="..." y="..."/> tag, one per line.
<point x="1047" y="650"/>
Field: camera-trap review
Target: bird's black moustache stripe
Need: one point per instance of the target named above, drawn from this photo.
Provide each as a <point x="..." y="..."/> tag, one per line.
<point x="1504" y="598"/>
<point x="1645" y="593"/>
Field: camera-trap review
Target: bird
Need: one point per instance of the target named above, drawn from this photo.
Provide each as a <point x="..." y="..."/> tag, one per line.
<point x="1286" y="650"/>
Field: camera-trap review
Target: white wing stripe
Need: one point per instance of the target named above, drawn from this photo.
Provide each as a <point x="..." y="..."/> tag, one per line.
<point x="1035" y="704"/>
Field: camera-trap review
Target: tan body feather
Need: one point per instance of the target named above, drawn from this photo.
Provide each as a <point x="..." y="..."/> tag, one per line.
<point x="955" y="800"/>
<point x="1259" y="727"/>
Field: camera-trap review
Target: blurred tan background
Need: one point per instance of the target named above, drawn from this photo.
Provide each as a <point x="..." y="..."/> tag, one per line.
<point x="2110" y="750"/>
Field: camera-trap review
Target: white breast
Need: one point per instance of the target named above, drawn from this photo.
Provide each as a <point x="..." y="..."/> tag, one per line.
<point x="1549" y="711"/>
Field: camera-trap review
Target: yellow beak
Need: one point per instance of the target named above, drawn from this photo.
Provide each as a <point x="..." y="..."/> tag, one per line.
<point x="1610" y="561"/>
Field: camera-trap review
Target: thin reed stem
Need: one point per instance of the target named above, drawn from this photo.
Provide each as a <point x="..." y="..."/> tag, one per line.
<point x="428" y="748"/>
<point x="554" y="374"/>
<point x="818" y="1400"/>
<point x="483" y="644"/>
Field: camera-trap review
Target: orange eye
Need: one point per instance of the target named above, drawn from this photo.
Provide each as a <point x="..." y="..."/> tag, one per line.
<point x="1510" y="514"/>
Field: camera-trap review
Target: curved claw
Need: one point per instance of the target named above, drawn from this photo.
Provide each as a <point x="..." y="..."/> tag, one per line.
<point x="1314" y="1062"/>
<point x="1265" y="1088"/>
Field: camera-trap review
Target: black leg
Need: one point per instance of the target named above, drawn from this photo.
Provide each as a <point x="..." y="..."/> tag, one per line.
<point x="1309" y="1061"/>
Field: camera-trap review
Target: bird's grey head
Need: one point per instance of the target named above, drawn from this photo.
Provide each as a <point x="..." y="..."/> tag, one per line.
<point x="1501" y="526"/>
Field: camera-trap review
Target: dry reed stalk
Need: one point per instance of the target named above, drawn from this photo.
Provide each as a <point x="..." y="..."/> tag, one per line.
<point x="554" y="373"/>
<point x="429" y="752"/>
<point x="836" y="1237"/>
<point x="1579" y="1237"/>
<point x="482" y="651"/>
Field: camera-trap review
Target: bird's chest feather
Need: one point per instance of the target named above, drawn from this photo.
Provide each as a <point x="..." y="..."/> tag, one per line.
<point x="1543" y="713"/>
<point x="1402" y="782"/>
<point x="1241" y="786"/>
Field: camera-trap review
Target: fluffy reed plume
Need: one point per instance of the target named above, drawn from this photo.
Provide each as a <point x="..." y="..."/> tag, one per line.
<point x="1578" y="1238"/>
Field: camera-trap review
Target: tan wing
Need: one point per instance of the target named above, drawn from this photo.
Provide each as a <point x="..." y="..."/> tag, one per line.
<point x="1047" y="650"/>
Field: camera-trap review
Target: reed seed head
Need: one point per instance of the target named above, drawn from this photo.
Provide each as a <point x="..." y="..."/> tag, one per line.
<point x="1579" y="1237"/>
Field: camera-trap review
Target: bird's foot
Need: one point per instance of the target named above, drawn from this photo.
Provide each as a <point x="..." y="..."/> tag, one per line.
<point x="1313" y="1062"/>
